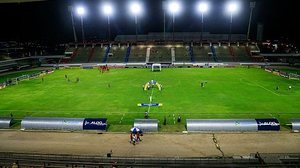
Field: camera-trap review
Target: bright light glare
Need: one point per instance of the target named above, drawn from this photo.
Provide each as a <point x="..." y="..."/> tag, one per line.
<point x="232" y="7"/>
<point x="135" y="8"/>
<point x="203" y="7"/>
<point x="80" y="11"/>
<point x="107" y="9"/>
<point x="174" y="7"/>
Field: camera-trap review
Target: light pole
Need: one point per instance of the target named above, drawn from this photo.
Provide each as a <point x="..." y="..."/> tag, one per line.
<point x="135" y="9"/>
<point x="164" y="4"/>
<point x="202" y="8"/>
<point x="108" y="11"/>
<point x="174" y="8"/>
<point x="81" y="12"/>
<point x="252" y="6"/>
<point x="232" y="8"/>
<point x="73" y="26"/>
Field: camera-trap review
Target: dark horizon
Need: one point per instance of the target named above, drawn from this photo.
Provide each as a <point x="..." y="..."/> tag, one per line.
<point x="50" y="21"/>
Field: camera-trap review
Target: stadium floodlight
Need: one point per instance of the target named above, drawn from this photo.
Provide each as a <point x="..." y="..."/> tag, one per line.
<point x="81" y="12"/>
<point x="202" y="8"/>
<point x="108" y="11"/>
<point x="232" y="8"/>
<point x="136" y="9"/>
<point x="174" y="8"/>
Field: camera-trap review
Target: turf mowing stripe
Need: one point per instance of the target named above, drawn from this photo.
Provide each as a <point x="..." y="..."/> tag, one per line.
<point x="120" y="113"/>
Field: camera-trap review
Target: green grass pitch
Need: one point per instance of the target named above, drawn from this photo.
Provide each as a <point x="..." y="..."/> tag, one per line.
<point x="228" y="93"/>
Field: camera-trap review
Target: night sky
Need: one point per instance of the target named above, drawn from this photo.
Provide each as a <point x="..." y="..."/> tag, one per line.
<point x="50" y="21"/>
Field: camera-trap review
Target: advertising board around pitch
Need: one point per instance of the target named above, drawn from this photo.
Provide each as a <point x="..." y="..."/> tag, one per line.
<point x="269" y="124"/>
<point x="95" y="124"/>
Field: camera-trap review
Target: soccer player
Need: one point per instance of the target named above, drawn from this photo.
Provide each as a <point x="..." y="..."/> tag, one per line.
<point x="179" y="119"/>
<point x="202" y="84"/>
<point x="146" y="115"/>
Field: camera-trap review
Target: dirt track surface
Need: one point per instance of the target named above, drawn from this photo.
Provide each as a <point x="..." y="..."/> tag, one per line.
<point x="159" y="145"/>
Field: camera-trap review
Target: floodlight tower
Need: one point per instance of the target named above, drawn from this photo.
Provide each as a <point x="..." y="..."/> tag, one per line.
<point x="135" y="9"/>
<point x="252" y="6"/>
<point x="108" y="11"/>
<point x="174" y="8"/>
<point x="73" y="26"/>
<point x="232" y="8"/>
<point x="164" y="5"/>
<point x="202" y="8"/>
<point x="81" y="12"/>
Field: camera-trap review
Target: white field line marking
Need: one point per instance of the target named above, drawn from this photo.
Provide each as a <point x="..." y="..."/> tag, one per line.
<point x="260" y="86"/>
<point x="122" y="118"/>
<point x="150" y="101"/>
<point x="174" y="118"/>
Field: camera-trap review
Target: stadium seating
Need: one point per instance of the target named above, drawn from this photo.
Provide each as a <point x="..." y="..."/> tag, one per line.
<point x="7" y="65"/>
<point x="182" y="54"/>
<point x="74" y="53"/>
<point x="202" y="54"/>
<point x="253" y="47"/>
<point x="82" y="55"/>
<point x="70" y="49"/>
<point x="117" y="54"/>
<point x="4" y="57"/>
<point x="138" y="54"/>
<point x="106" y="54"/>
<point x="232" y="53"/>
<point x="128" y="50"/>
<point x="91" y="53"/>
<point x="160" y="54"/>
<point x="98" y="54"/>
<point x="214" y="54"/>
<point x="241" y="53"/>
<point x="164" y="52"/>
<point x="223" y="53"/>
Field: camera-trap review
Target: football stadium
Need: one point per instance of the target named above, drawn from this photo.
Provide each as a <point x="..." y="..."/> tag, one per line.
<point x="147" y="95"/>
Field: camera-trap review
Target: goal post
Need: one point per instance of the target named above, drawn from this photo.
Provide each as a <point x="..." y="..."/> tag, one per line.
<point x="156" y="67"/>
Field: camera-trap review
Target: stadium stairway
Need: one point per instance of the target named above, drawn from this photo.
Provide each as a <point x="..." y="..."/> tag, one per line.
<point x="213" y="50"/>
<point x="127" y="54"/>
<point x="191" y="53"/>
<point x="148" y="54"/>
<point x="173" y="54"/>
<point x="91" y="53"/>
<point x="104" y="60"/>
<point x="75" y="53"/>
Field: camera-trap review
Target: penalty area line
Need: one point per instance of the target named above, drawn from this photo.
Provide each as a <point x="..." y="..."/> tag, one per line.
<point x="122" y="118"/>
<point x="261" y="86"/>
